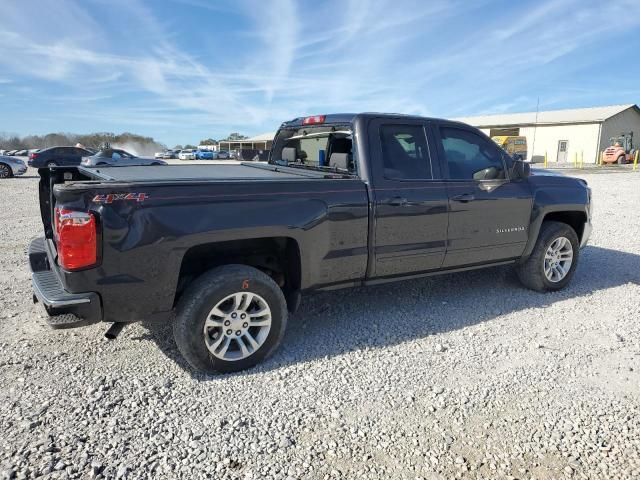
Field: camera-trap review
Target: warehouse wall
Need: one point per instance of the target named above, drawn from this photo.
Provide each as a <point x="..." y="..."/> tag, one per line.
<point x="582" y="138"/>
<point x="627" y="121"/>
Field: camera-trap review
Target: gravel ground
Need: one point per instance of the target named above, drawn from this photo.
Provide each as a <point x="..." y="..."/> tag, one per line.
<point x="459" y="376"/>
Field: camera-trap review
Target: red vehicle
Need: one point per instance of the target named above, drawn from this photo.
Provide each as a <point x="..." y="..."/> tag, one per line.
<point x="621" y="150"/>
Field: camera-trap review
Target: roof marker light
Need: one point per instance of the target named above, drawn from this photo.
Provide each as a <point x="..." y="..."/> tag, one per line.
<point x="314" y="120"/>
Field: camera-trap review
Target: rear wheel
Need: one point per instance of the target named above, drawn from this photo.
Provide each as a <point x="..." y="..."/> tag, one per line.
<point x="553" y="260"/>
<point x="230" y="319"/>
<point x="622" y="160"/>
<point x="52" y="164"/>
<point x="5" y="171"/>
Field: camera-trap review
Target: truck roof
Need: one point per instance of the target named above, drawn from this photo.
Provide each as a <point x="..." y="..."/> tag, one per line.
<point x="347" y="118"/>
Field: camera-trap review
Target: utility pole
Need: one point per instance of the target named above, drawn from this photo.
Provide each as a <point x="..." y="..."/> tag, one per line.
<point x="535" y="127"/>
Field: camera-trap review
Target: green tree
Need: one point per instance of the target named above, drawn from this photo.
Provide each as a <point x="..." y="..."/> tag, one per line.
<point x="208" y="141"/>
<point x="235" y="136"/>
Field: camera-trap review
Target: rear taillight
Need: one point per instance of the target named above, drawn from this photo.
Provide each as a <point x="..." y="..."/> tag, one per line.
<point x="33" y="156"/>
<point x="76" y="238"/>
<point x="314" y="120"/>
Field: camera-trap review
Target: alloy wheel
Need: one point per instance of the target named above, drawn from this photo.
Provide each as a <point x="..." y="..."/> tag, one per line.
<point x="558" y="259"/>
<point x="237" y="326"/>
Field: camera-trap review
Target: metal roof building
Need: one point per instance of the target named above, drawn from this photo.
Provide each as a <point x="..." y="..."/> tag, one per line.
<point x="263" y="141"/>
<point x="564" y="135"/>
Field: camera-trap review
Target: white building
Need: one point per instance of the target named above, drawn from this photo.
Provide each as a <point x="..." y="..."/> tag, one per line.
<point x="564" y="135"/>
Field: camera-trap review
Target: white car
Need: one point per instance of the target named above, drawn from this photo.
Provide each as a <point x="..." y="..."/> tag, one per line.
<point x="187" y="155"/>
<point x="158" y="155"/>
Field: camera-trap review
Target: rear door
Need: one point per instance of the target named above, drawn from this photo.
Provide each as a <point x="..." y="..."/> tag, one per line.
<point x="489" y="213"/>
<point x="410" y="198"/>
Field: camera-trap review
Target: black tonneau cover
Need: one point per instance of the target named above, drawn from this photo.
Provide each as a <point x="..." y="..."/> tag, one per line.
<point x="244" y="171"/>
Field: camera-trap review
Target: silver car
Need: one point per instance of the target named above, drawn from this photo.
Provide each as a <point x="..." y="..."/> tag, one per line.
<point x="114" y="157"/>
<point x="11" y="166"/>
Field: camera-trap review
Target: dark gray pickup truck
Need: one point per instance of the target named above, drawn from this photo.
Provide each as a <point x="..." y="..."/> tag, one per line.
<point x="345" y="200"/>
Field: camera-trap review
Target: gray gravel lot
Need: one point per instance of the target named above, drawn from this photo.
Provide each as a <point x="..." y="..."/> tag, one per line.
<point x="458" y="376"/>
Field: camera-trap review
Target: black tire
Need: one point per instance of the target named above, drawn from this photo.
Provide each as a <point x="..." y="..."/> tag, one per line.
<point x="51" y="164"/>
<point x="622" y="160"/>
<point x="205" y="293"/>
<point x="5" y="171"/>
<point x="531" y="272"/>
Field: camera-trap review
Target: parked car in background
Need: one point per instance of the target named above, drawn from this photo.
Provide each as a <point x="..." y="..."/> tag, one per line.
<point x="11" y="153"/>
<point x="158" y="154"/>
<point x="58" y="157"/>
<point x="11" y="167"/>
<point x="116" y="157"/>
<point x="171" y="154"/>
<point x="187" y="155"/>
<point x="223" y="155"/>
<point x="22" y="153"/>
<point x="204" y="154"/>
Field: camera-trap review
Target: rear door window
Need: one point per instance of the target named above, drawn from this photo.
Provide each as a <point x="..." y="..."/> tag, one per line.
<point x="405" y="152"/>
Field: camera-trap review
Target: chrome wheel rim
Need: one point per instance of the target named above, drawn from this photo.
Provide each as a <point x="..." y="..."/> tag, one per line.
<point x="558" y="259"/>
<point x="4" y="171"/>
<point x="237" y="326"/>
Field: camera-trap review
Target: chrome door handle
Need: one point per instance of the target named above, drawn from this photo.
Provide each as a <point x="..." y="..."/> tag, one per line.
<point x="398" y="201"/>
<point x="465" y="197"/>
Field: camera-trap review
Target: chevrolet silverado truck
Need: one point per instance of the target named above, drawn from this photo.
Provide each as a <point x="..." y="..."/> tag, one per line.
<point x="226" y="251"/>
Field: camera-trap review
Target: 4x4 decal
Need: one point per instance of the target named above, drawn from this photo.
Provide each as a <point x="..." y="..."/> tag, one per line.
<point x="111" y="197"/>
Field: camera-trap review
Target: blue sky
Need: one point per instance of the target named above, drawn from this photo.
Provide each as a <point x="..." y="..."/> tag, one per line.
<point x="183" y="70"/>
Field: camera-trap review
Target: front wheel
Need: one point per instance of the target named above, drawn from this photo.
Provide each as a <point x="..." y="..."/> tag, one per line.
<point x="622" y="160"/>
<point x="553" y="260"/>
<point x="230" y="319"/>
<point x="5" y="171"/>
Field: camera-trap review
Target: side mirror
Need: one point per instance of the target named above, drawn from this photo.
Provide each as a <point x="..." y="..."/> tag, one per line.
<point x="521" y="169"/>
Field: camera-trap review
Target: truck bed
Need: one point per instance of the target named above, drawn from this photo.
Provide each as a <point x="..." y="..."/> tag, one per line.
<point x="243" y="171"/>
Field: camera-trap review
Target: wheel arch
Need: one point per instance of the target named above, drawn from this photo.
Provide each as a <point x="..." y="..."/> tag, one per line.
<point x="576" y="219"/>
<point x="278" y="257"/>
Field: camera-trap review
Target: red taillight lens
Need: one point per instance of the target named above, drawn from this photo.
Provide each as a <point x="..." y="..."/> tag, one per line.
<point x="33" y="156"/>
<point x="76" y="238"/>
<point x="315" y="120"/>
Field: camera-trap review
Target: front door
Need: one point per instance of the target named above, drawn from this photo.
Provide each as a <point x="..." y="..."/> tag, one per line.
<point x="563" y="148"/>
<point x="410" y="199"/>
<point x="489" y="214"/>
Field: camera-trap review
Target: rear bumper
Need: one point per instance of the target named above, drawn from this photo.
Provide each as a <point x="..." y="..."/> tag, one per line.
<point x="64" y="309"/>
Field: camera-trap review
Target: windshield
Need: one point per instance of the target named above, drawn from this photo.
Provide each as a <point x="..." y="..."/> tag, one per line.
<point x="327" y="147"/>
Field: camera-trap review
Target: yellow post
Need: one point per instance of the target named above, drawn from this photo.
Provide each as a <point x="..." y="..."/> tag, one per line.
<point x="582" y="159"/>
<point x="635" y="160"/>
<point x="545" y="159"/>
<point x="575" y="159"/>
<point x="600" y="159"/>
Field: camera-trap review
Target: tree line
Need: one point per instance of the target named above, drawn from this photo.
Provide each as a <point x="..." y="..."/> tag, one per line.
<point x="95" y="140"/>
<point x="90" y="140"/>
